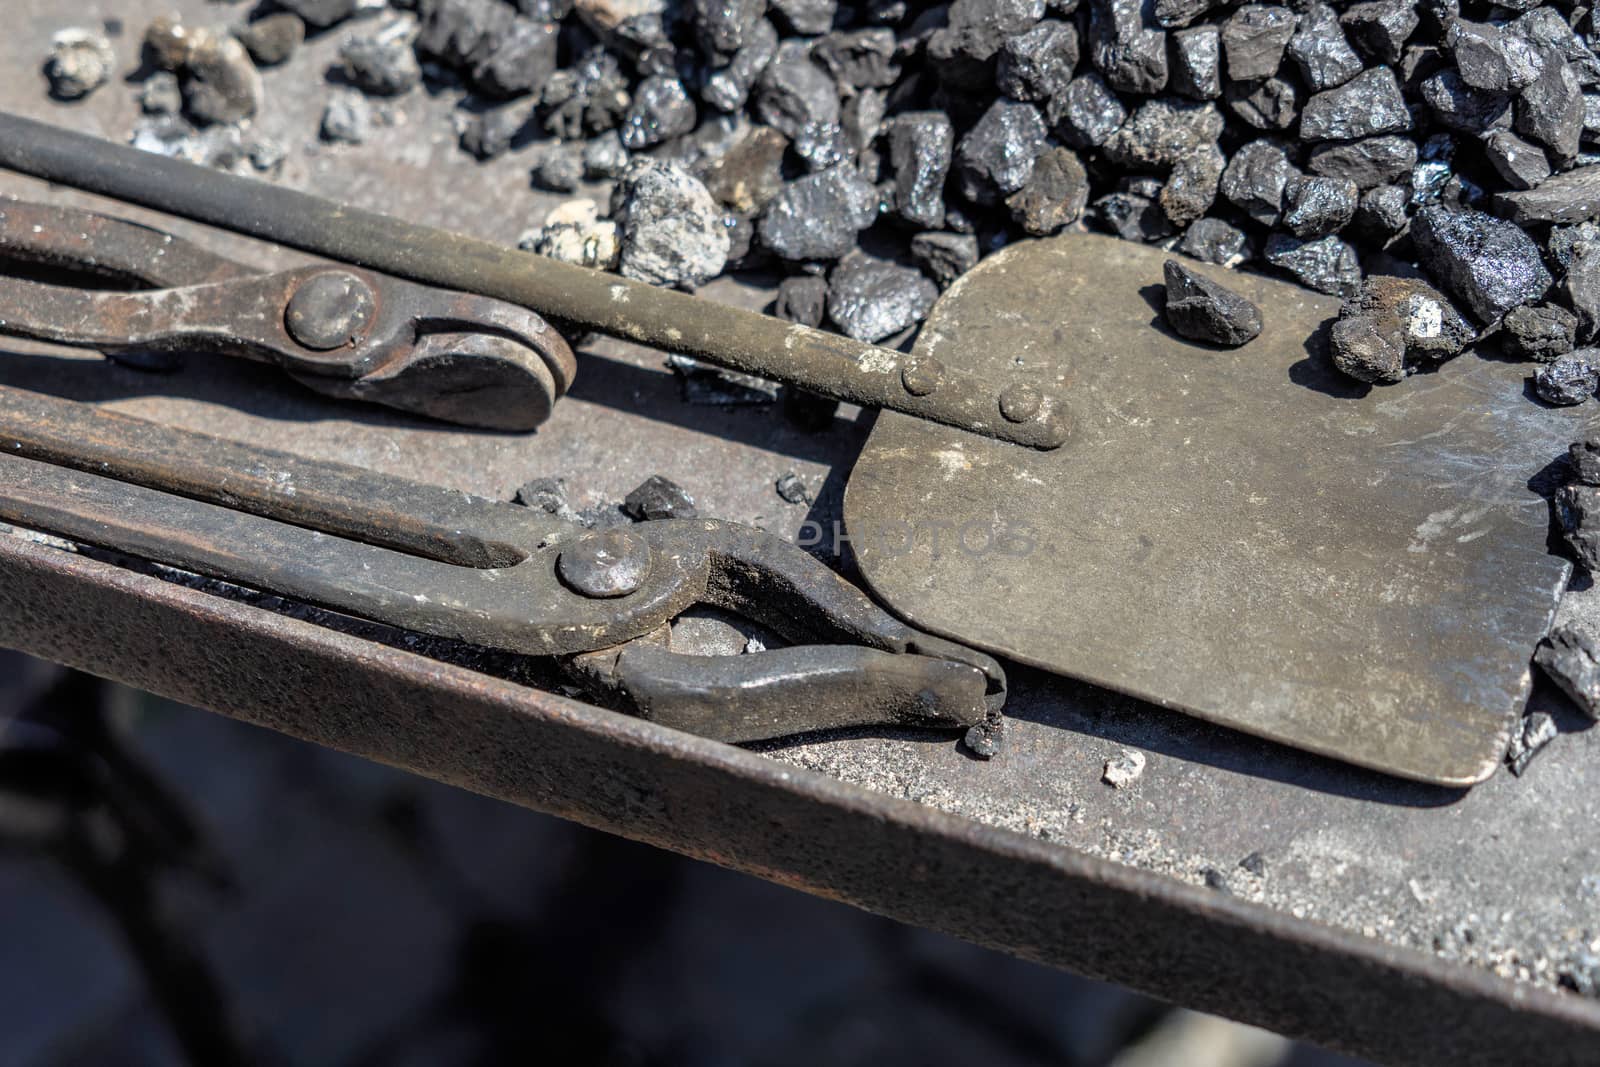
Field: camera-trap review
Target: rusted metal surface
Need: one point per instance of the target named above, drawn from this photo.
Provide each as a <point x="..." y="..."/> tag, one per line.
<point x="824" y="363"/>
<point x="115" y="482"/>
<point x="343" y="332"/>
<point x="744" y="811"/>
<point x="1240" y="535"/>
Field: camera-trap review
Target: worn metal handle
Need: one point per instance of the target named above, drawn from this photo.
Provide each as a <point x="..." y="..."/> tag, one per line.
<point x="662" y="318"/>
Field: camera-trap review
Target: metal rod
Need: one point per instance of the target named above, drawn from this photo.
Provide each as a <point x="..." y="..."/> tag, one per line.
<point x="756" y="344"/>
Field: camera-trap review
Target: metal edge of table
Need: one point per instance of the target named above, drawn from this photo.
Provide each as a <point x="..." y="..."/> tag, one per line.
<point x="801" y="829"/>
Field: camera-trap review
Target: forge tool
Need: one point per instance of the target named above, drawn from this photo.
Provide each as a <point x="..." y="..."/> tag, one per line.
<point x="495" y="575"/>
<point x="1241" y="536"/>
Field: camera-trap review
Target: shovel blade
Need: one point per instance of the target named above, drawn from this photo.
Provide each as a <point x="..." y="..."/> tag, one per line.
<point x="1242" y="535"/>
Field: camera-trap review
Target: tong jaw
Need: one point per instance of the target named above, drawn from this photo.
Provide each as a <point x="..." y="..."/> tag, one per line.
<point x="344" y="332"/>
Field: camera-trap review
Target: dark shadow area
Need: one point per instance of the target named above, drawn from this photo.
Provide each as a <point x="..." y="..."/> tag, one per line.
<point x="1317" y="372"/>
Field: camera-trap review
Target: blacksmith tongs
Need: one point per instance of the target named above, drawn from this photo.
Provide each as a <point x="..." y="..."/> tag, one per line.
<point x="341" y="330"/>
<point x="438" y="562"/>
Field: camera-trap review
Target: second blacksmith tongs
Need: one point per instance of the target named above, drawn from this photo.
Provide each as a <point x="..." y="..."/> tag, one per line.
<point x="600" y="602"/>
<point x="340" y="330"/>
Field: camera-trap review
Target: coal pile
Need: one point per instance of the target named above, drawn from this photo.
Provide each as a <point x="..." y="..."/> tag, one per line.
<point x="884" y="147"/>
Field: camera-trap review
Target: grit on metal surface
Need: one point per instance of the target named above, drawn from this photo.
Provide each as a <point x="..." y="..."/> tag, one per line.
<point x="1514" y="861"/>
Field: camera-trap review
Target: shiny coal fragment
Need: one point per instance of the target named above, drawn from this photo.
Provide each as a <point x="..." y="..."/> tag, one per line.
<point x="722" y="27"/>
<point x="871" y="299"/>
<point x="1585" y="459"/>
<point x="1457" y="106"/>
<point x="1520" y="164"/>
<point x="1255" y="180"/>
<point x="794" y="91"/>
<point x="1254" y="38"/>
<point x="1364" y="351"/>
<point x="1202" y="310"/>
<point x="1538" y="332"/>
<point x="1563" y="242"/>
<point x="1581" y="287"/>
<point x="1127" y="46"/>
<point x="822" y="145"/>
<point x="1133" y="212"/>
<point x="1212" y="240"/>
<point x="548" y="495"/>
<point x="1268" y="104"/>
<point x="964" y="50"/>
<point x="920" y="146"/>
<point x="672" y="232"/>
<point x="1488" y="57"/>
<point x="1569" y="379"/>
<point x="1550" y="110"/>
<point x="1578" y="514"/>
<point x="1327" y="264"/>
<point x="1174" y="14"/>
<point x="1038" y="65"/>
<point x="859" y="59"/>
<point x="1088" y="113"/>
<point x="802" y="298"/>
<point x="1381" y="215"/>
<point x="995" y="157"/>
<point x="1163" y="131"/>
<point x="1315" y="205"/>
<point x="1054" y="196"/>
<point x="1197" y="63"/>
<point x="347" y="118"/>
<point x="728" y="87"/>
<point x="659" y="498"/>
<point x="1192" y="183"/>
<point x="1536" y="731"/>
<point x="1380" y="28"/>
<point x="818" y="217"/>
<point x="807" y="17"/>
<point x="1369" y="162"/>
<point x="661" y="110"/>
<point x="1427" y="326"/>
<point x="944" y="257"/>
<point x="490" y="135"/>
<point x="1565" y="198"/>
<point x="384" y="63"/>
<point x="1320" y="49"/>
<point x="1487" y="264"/>
<point x="1367" y="105"/>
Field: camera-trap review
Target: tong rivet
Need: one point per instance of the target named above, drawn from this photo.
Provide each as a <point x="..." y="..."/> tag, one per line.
<point x="607" y="563"/>
<point x="1020" y="402"/>
<point x="922" y="376"/>
<point x="329" y="310"/>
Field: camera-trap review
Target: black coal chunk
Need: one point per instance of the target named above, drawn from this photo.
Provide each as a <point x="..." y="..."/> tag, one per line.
<point x="871" y="299"/>
<point x="1202" y="310"/>
<point x="385" y="64"/>
<point x="1327" y="264"/>
<point x="1569" y="379"/>
<point x="661" y="110"/>
<point x="1487" y="264"/>
<point x="1581" y="287"/>
<point x="490" y="134"/>
<point x="1054" y="195"/>
<point x="1365" y="351"/>
<point x="1550" y="110"/>
<point x="1133" y="211"/>
<point x="920" y="144"/>
<point x="1369" y="162"/>
<point x="1253" y="40"/>
<point x="1571" y="659"/>
<point x="272" y="39"/>
<point x="1268" y="104"/>
<point x="1088" y="113"/>
<point x="792" y="490"/>
<point x="1366" y="105"/>
<point x="1255" y="179"/>
<point x="964" y="50"/>
<point x="1457" y="106"/>
<point x="1127" y="46"/>
<point x="522" y="59"/>
<point x="1380" y="28"/>
<point x="587" y="98"/>
<point x="1381" y="216"/>
<point x="659" y="498"/>
<point x="1538" y="729"/>
<point x="1585" y="458"/>
<point x="1173" y="14"/>
<point x="725" y="26"/>
<point x="321" y="13"/>
<point x="1577" y="510"/>
<point x="1212" y="240"/>
<point x="1162" y="132"/>
<point x="1191" y="186"/>
<point x="1316" y="205"/>
<point x="459" y="33"/>
<point x="794" y="91"/>
<point x="806" y="17"/>
<point x="1038" y="65"/>
<point x="559" y="168"/>
<point x="817" y="217"/>
<point x="1566" y="198"/>
<point x="860" y="59"/>
<point x="1393" y="314"/>
<point x="803" y="299"/>
<point x="996" y="156"/>
<point x="1520" y="164"/>
<point x="945" y="256"/>
<point x="749" y="175"/>
<point x="1320" y="50"/>
<point x="727" y="87"/>
<point x="1197" y="63"/>
<point x="821" y="145"/>
<point x="1539" y="332"/>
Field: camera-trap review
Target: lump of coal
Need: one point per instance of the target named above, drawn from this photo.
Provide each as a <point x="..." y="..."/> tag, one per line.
<point x="604" y="157"/>
<point x="1256" y="178"/>
<point x="996" y="156"/>
<point x="321" y="13"/>
<point x="1214" y="241"/>
<point x="821" y="147"/>
<point x="1487" y="264"/>
<point x="1520" y="164"/>
<point x="671" y="230"/>
<point x="383" y="62"/>
<point x="1192" y="184"/>
<point x="728" y="87"/>
<point x="1162" y="132"/>
<point x="1055" y="194"/>
<point x="1582" y="288"/>
<point x="945" y="256"/>
<point x="574" y="232"/>
<point x="1316" y="205"/>
<point x="661" y="110"/>
<point x="792" y="490"/>
<point x="871" y="299"/>
<point x="920" y="144"/>
<point x="806" y="17"/>
<point x="1457" y="106"/>
<point x="1569" y="379"/>
<point x="749" y="175"/>
<point x="1365" y="106"/>
<point x="1126" y="45"/>
<point x="1489" y="58"/>
<point x="1538" y="730"/>
<point x="559" y="168"/>
<point x="859" y="59"/>
<point x="1088" y="113"/>
<point x="1197" y="63"/>
<point x="659" y="498"/>
<point x="273" y="39"/>
<point x="1202" y="310"/>
<point x="1413" y="316"/>
<point x="1380" y="28"/>
<point x="1038" y="65"/>
<point x="963" y="51"/>
<point x="1253" y="39"/>
<point x="491" y="134"/>
<point x="1566" y="198"/>
<point x="80" y="62"/>
<point x="548" y="495"/>
<point x="1365" y="352"/>
<point x="818" y="217"/>
<point x="1574" y="504"/>
<point x="802" y="298"/>
<point x="794" y="92"/>
<point x="1268" y="104"/>
<point x="1539" y="332"/>
<point x="1585" y="457"/>
<point x="1133" y="212"/>
<point x="1327" y="264"/>
<point x="1381" y="216"/>
<point x="1370" y="162"/>
<point x="347" y="118"/>
<point x="1320" y="49"/>
<point x="1550" y="110"/>
<point x="723" y="26"/>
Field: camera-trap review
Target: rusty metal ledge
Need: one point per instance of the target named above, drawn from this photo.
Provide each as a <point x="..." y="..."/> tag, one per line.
<point x="718" y="803"/>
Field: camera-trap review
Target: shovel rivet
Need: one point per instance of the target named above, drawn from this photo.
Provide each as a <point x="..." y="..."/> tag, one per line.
<point x="921" y="376"/>
<point x="1020" y="402"/>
